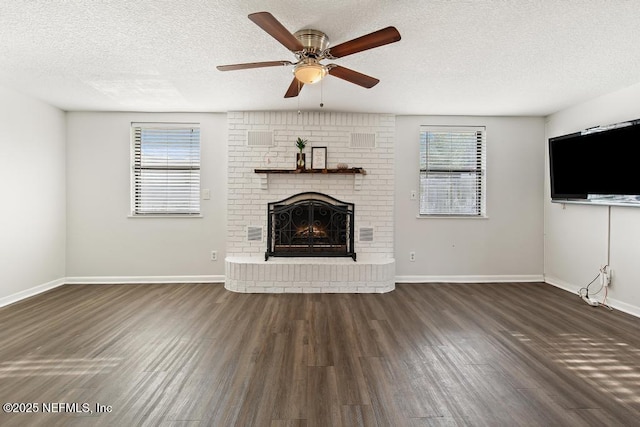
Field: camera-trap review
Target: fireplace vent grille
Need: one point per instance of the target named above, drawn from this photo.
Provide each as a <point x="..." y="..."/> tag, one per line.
<point x="256" y="138"/>
<point x="363" y="140"/>
<point x="254" y="234"/>
<point x="366" y="234"/>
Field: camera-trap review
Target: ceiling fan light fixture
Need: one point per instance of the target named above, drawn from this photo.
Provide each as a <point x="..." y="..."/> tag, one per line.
<point x="309" y="71"/>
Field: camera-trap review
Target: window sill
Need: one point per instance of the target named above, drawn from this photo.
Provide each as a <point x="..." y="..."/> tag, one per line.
<point x="164" y="216"/>
<point x="451" y="217"/>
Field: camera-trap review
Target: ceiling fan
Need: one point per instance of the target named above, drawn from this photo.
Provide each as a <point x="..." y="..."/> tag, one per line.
<point x="312" y="46"/>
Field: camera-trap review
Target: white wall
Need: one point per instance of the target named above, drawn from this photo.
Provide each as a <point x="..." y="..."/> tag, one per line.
<point x="509" y="244"/>
<point x="32" y="182"/>
<point x="576" y="235"/>
<point x="102" y="240"/>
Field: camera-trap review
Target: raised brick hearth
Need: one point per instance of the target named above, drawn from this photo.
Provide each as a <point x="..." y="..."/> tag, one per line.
<point x="310" y="275"/>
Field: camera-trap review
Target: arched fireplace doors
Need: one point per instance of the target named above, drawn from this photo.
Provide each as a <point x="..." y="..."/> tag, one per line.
<point x="310" y="225"/>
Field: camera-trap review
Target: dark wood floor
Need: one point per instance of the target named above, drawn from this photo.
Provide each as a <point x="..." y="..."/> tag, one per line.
<point x="423" y="355"/>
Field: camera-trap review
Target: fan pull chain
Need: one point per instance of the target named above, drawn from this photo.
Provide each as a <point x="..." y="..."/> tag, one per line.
<point x="298" y="97"/>
<point x="321" y="93"/>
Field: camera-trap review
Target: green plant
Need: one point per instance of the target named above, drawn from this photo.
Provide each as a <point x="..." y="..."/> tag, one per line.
<point x="301" y="143"/>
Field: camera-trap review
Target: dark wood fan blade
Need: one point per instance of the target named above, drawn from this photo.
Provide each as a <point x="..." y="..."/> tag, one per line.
<point x="353" y="76"/>
<point x="275" y="29"/>
<point x="253" y="65"/>
<point x="369" y="41"/>
<point x="294" y="88"/>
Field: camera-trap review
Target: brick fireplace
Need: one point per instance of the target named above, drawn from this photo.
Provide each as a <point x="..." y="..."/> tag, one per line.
<point x="264" y="141"/>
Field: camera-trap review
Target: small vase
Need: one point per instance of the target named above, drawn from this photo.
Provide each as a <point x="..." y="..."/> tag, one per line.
<point x="300" y="161"/>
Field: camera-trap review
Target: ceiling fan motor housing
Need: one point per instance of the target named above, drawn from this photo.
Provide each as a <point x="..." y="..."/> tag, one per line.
<point x="315" y="42"/>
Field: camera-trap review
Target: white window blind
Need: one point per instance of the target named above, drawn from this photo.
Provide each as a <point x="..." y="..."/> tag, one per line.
<point x="166" y="169"/>
<point x="452" y="171"/>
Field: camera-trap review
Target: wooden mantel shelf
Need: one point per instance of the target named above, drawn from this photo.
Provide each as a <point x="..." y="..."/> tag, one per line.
<point x="349" y="171"/>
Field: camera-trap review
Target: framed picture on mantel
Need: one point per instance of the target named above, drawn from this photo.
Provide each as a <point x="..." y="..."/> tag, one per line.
<point x="318" y="157"/>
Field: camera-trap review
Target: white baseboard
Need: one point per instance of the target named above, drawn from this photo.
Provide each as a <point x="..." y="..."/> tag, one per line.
<point x="623" y="306"/>
<point x="566" y="286"/>
<point x="107" y="280"/>
<point x="471" y="279"/>
<point x="31" y="292"/>
<point x="569" y="287"/>
<point x="121" y="280"/>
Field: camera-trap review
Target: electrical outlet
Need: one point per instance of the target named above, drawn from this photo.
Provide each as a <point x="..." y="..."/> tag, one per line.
<point x="412" y="256"/>
<point x="214" y="255"/>
<point x="605" y="275"/>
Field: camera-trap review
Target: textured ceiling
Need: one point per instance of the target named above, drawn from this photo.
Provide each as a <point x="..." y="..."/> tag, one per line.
<point x="472" y="57"/>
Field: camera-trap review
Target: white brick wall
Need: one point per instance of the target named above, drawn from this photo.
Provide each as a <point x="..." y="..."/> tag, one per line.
<point x="249" y="193"/>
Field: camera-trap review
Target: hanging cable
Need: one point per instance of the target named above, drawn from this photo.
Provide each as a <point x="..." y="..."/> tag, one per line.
<point x="604" y="302"/>
<point x="586" y="288"/>
<point x="608" y="235"/>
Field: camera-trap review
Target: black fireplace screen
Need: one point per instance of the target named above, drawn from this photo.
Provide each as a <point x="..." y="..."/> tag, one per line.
<point x="310" y="224"/>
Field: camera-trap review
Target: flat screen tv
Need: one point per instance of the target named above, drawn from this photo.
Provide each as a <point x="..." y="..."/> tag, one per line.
<point x="597" y="161"/>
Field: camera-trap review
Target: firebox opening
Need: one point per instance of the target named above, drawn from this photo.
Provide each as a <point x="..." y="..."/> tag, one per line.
<point x="311" y="227"/>
<point x="310" y="224"/>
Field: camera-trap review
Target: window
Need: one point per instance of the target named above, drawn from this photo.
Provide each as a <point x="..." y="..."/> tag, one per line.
<point x="165" y="169"/>
<point x="452" y="171"/>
